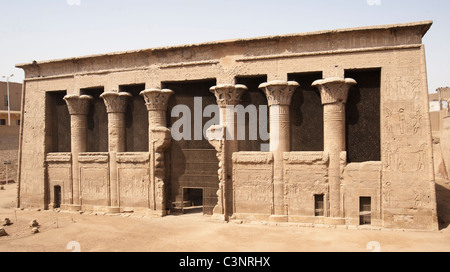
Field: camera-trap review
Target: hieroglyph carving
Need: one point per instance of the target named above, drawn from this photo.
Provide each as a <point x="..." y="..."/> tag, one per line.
<point x="403" y="121"/>
<point x="404" y="157"/>
<point x="403" y="88"/>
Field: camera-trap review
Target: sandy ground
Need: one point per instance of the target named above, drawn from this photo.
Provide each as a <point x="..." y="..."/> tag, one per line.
<point x="59" y="231"/>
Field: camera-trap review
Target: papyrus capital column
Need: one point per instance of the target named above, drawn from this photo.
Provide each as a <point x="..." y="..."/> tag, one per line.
<point x="228" y="94"/>
<point x="156" y="101"/>
<point x="225" y="142"/>
<point x="78" y="107"/>
<point x="279" y="95"/>
<point x="334" y="93"/>
<point x="116" y="105"/>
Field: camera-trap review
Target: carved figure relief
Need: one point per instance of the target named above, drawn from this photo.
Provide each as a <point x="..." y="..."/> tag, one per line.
<point x="403" y="88"/>
<point x="404" y="157"/>
<point x="403" y="121"/>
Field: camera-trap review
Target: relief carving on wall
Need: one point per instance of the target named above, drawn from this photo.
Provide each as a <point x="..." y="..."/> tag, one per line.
<point x="403" y="121"/>
<point x="93" y="183"/>
<point x="404" y="157"/>
<point x="403" y="88"/>
<point x="134" y="182"/>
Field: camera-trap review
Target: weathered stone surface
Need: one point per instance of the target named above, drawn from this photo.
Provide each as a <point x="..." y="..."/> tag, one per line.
<point x="3" y="232"/>
<point x="34" y="223"/>
<point x="395" y="188"/>
<point x="6" y="222"/>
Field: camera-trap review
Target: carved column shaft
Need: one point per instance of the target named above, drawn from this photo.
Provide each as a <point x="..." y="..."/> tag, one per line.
<point x="156" y="101"/>
<point x="78" y="107"/>
<point x="227" y="97"/>
<point x="334" y="93"/>
<point x="116" y="104"/>
<point x="279" y="95"/>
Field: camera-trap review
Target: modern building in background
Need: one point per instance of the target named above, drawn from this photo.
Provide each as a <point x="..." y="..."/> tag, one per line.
<point x="439" y="101"/>
<point x="9" y="134"/>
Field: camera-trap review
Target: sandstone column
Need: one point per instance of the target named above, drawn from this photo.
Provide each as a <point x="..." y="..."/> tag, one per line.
<point x="279" y="94"/>
<point x="334" y="93"/>
<point x="156" y="101"/>
<point x="116" y="105"/>
<point x="78" y="107"/>
<point x="227" y="96"/>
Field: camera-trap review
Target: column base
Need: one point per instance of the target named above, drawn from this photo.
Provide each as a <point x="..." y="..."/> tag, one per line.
<point x="334" y="221"/>
<point x="74" y="208"/>
<point x="113" y="209"/>
<point x="278" y="218"/>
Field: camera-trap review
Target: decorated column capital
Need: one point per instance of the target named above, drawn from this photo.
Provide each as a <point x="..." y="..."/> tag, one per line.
<point x="279" y="92"/>
<point x="334" y="89"/>
<point x="228" y="94"/>
<point x="115" y="102"/>
<point x="78" y="104"/>
<point x="156" y="99"/>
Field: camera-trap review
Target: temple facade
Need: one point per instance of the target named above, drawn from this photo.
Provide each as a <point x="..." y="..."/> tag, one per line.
<point x="328" y="127"/>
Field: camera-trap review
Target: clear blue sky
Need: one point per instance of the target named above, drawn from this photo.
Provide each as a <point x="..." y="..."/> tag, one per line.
<point x="52" y="29"/>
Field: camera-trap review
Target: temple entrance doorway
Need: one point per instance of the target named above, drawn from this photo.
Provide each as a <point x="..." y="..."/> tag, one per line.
<point x="191" y="162"/>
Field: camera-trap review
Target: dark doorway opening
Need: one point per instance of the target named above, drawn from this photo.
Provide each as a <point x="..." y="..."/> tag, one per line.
<point x="254" y="97"/>
<point x="363" y="138"/>
<point x="365" y="210"/>
<point x="306" y="113"/>
<point x="136" y="119"/>
<point x="57" y="122"/>
<point x="318" y="205"/>
<point x="191" y="161"/>
<point x="57" y="196"/>
<point x="193" y="199"/>
<point x="97" y="122"/>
